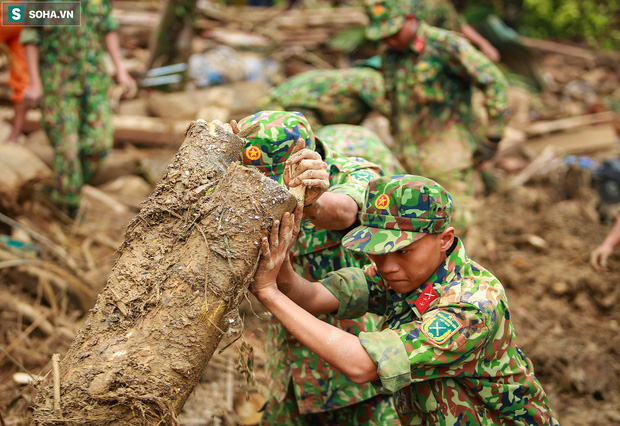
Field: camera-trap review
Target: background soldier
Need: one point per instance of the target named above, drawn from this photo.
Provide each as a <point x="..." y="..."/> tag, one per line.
<point x="69" y="77"/>
<point x="429" y="75"/>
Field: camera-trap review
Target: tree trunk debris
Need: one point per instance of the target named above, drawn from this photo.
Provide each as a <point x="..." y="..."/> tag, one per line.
<point x="186" y="262"/>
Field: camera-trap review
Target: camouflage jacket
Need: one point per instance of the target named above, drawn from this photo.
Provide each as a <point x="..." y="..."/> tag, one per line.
<point x="72" y="58"/>
<point x="337" y="96"/>
<point x="430" y="89"/>
<point x="318" y="386"/>
<point x="447" y="350"/>
<point x="358" y="141"/>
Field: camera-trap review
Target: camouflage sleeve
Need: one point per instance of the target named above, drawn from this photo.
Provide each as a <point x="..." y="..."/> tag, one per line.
<point x="471" y="64"/>
<point x="108" y="22"/>
<point x="358" y="290"/>
<point x="30" y="36"/>
<point x="439" y="344"/>
<point x="351" y="176"/>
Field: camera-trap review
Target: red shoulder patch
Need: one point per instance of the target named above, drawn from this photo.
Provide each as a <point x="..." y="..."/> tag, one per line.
<point x="418" y="44"/>
<point x="425" y="299"/>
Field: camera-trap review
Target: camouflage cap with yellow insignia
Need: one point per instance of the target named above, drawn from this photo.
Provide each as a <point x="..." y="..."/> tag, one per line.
<point x="399" y="210"/>
<point x="385" y="17"/>
<point x="269" y="146"/>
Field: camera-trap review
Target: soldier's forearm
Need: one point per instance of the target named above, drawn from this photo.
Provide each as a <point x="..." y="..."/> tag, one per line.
<point x="32" y="62"/>
<point x="337" y="347"/>
<point x="312" y="296"/>
<point x="333" y="211"/>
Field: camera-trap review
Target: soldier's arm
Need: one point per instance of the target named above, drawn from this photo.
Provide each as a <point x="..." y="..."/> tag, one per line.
<point x="112" y="45"/>
<point x="483" y="44"/>
<point x="31" y="38"/>
<point x="342" y="350"/>
<point x="324" y="209"/>
<point x="599" y="257"/>
<point x="471" y="64"/>
<point x="332" y="211"/>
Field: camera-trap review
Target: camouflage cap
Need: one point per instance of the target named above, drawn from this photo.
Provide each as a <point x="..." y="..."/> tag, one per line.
<point x="385" y="17"/>
<point x="398" y="211"/>
<point x="270" y="145"/>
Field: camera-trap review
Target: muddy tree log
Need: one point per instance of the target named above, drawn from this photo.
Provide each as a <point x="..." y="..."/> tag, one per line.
<point x="187" y="259"/>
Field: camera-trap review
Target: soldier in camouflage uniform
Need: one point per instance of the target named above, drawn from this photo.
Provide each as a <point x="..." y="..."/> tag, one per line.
<point x="331" y="96"/>
<point x="304" y="389"/>
<point x="429" y="75"/>
<point x="447" y="347"/>
<point x="358" y="141"/>
<point x="68" y="76"/>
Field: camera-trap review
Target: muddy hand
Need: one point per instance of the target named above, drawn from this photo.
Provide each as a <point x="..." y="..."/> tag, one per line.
<point x="306" y="167"/>
<point x="274" y="251"/>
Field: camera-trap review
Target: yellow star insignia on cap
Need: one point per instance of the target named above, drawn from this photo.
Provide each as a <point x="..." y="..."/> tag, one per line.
<point x="378" y="10"/>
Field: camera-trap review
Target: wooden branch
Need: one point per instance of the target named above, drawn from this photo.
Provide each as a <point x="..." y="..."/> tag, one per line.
<point x="56" y="372"/>
<point x="543" y="127"/>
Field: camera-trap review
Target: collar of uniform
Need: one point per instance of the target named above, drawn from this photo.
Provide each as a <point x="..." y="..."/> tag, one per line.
<point x="425" y="295"/>
<point x="419" y="41"/>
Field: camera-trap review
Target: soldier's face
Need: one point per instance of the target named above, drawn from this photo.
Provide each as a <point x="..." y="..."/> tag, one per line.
<point x="409" y="268"/>
<point x="403" y="38"/>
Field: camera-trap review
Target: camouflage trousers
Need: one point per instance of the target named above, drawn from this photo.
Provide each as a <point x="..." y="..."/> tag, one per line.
<point x="80" y="130"/>
<point x="377" y="411"/>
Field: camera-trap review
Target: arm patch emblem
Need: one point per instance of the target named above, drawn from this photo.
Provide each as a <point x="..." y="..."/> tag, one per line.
<point x="440" y="326"/>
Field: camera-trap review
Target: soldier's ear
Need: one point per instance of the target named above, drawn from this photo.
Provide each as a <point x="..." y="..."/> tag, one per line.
<point x="447" y="238"/>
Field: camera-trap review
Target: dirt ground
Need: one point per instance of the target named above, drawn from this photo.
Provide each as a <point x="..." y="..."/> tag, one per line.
<point x="536" y="238"/>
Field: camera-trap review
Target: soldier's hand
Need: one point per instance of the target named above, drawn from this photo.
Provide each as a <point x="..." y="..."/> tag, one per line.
<point x="33" y="95"/>
<point x="598" y="257"/>
<point x="486" y="150"/>
<point x="128" y="83"/>
<point x="306" y="167"/>
<point x="275" y="250"/>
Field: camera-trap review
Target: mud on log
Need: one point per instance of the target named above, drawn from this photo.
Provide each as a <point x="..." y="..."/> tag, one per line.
<point x="186" y="261"/>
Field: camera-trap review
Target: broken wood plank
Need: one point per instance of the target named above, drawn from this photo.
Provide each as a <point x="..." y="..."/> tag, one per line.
<point x="543" y="127"/>
<point x="578" y="141"/>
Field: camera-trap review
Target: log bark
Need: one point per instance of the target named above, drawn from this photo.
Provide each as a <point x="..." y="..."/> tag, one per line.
<point x="187" y="259"/>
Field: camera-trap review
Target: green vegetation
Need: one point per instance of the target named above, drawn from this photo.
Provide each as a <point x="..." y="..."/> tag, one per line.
<point x="595" y="21"/>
